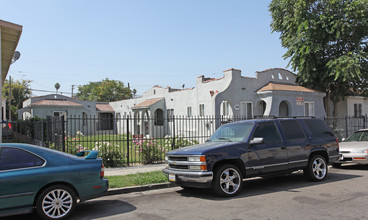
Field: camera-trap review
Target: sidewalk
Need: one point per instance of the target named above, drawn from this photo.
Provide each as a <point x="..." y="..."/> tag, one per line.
<point x="120" y="171"/>
<point x="133" y="170"/>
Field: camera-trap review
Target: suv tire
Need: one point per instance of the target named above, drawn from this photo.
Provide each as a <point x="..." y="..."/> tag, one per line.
<point x="317" y="168"/>
<point x="228" y="180"/>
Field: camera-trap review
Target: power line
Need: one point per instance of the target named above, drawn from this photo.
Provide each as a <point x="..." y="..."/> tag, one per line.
<point x="40" y="90"/>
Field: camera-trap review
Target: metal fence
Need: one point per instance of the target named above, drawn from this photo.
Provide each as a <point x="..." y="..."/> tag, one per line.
<point x="123" y="141"/>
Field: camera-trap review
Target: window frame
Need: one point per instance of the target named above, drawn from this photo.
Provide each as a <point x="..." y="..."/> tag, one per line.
<point x="358" y="110"/>
<point x="170" y="114"/>
<point x="189" y="111"/>
<point x="201" y="110"/>
<point x="23" y="168"/>
<point x="285" y="133"/>
<point x="159" y="121"/>
<point x="264" y="140"/>
<point x="309" y="109"/>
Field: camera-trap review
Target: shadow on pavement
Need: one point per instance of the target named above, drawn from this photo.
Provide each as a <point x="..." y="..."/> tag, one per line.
<point x="88" y="210"/>
<point x="261" y="186"/>
<point x="101" y="208"/>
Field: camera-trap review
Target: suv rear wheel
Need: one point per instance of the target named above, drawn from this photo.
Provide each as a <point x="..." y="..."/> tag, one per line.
<point x="317" y="168"/>
<point x="228" y="180"/>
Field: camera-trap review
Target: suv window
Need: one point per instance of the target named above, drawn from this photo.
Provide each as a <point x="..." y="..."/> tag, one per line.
<point x="292" y="130"/>
<point x="319" y="128"/>
<point x="15" y="158"/>
<point x="267" y="131"/>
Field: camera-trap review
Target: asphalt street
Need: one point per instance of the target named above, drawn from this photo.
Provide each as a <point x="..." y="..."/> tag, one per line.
<point x="343" y="195"/>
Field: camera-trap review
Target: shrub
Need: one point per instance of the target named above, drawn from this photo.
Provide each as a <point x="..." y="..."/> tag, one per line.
<point x="111" y="155"/>
<point x="179" y="142"/>
<point x="150" y="151"/>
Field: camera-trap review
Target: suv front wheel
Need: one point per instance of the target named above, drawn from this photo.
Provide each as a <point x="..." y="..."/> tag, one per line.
<point x="228" y="180"/>
<point x="317" y="168"/>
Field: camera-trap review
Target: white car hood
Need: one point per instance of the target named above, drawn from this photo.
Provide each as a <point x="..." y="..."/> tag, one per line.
<point x="353" y="145"/>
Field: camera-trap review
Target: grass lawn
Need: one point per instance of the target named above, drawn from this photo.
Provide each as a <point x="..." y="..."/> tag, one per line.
<point x="138" y="179"/>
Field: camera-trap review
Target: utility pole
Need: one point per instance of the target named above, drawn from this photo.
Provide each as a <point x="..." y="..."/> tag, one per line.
<point x="10" y="98"/>
<point x="72" y="90"/>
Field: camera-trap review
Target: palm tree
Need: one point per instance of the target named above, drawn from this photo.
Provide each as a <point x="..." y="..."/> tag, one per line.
<point x="57" y="87"/>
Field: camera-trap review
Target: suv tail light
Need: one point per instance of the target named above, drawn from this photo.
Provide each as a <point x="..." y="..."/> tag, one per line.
<point x="102" y="173"/>
<point x="337" y="141"/>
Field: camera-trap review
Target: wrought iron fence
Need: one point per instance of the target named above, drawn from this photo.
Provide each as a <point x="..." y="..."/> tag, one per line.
<point x="123" y="141"/>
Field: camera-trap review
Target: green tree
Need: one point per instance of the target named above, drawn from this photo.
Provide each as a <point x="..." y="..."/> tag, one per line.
<point x="57" y="87"/>
<point x="104" y="91"/>
<point x="326" y="42"/>
<point x="20" y="91"/>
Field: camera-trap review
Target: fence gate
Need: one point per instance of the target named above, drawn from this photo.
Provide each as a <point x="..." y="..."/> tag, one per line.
<point x="55" y="132"/>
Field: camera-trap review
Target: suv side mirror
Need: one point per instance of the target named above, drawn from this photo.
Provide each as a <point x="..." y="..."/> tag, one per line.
<point x="257" y="140"/>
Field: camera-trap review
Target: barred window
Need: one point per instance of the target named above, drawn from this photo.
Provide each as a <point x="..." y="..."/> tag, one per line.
<point x="358" y="110"/>
<point x="170" y="115"/>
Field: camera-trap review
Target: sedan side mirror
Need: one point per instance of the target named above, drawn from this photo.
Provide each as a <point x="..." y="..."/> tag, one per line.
<point x="257" y="140"/>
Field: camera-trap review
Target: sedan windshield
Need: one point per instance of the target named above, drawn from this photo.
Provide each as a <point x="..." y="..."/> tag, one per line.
<point x="235" y="132"/>
<point x="358" y="136"/>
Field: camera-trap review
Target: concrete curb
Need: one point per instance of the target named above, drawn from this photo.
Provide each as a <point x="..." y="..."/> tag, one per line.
<point x="139" y="188"/>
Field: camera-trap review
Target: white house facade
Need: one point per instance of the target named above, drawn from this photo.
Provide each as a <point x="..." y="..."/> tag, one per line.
<point x="272" y="92"/>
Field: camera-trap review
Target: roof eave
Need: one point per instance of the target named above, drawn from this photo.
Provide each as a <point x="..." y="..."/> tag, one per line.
<point x="10" y="35"/>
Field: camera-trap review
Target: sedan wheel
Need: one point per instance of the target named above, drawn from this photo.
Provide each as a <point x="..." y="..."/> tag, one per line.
<point x="317" y="168"/>
<point x="56" y="202"/>
<point x="228" y="180"/>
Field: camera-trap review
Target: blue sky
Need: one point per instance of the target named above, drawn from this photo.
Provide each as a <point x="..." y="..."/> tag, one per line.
<point x="140" y="42"/>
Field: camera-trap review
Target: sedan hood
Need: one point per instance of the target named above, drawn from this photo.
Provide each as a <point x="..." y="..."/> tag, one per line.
<point x="353" y="145"/>
<point x="200" y="148"/>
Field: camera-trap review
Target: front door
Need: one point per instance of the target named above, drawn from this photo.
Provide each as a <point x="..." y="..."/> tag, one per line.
<point x="246" y="110"/>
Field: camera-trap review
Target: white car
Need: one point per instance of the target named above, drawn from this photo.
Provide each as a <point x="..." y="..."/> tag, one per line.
<point x="354" y="149"/>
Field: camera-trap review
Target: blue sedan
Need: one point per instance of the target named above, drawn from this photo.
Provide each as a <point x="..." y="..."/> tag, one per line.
<point x="47" y="181"/>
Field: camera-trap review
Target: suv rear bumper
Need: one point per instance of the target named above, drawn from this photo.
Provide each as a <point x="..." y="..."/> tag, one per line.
<point x="202" y="179"/>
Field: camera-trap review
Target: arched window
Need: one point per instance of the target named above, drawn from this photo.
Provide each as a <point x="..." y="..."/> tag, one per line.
<point x="261" y="107"/>
<point x="159" y="117"/>
<point x="283" y="109"/>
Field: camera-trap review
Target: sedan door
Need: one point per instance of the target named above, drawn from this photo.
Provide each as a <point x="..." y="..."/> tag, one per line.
<point x="20" y="177"/>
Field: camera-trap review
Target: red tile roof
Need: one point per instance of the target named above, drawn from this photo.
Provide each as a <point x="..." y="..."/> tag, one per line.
<point x="285" y="87"/>
<point x="56" y="102"/>
<point x="147" y="103"/>
<point x="104" y="107"/>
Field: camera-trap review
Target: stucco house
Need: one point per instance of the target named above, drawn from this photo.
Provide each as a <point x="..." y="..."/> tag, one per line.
<point x="71" y="108"/>
<point x="272" y="92"/>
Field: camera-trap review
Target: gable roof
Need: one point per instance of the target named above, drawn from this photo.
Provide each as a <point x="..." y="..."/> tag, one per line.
<point x="285" y="87"/>
<point x="147" y="103"/>
<point x="55" y="102"/>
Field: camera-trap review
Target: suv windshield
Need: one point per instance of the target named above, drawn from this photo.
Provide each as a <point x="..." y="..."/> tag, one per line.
<point x="235" y="132"/>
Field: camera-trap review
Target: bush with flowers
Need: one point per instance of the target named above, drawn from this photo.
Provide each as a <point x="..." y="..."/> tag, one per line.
<point x="149" y="149"/>
<point x="110" y="154"/>
<point x="178" y="143"/>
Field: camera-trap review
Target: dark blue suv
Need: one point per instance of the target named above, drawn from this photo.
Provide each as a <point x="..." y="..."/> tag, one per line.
<point x="253" y="148"/>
